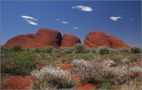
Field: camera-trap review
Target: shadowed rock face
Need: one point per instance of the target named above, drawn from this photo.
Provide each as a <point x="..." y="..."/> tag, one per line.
<point x="69" y="40"/>
<point x="96" y="39"/>
<point x="49" y="37"/>
<point x="44" y="37"/>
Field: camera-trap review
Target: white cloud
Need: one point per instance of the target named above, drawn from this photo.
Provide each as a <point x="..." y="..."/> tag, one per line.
<point x="30" y="20"/>
<point x="61" y="21"/>
<point x="64" y="22"/>
<point x="75" y="27"/>
<point x="83" y="8"/>
<point x="115" y="18"/>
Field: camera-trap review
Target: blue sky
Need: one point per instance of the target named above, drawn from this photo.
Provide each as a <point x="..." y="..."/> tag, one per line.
<point x="121" y="19"/>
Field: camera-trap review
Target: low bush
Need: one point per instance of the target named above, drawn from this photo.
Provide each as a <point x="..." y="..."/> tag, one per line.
<point x="106" y="84"/>
<point x="52" y="75"/>
<point x="78" y="48"/>
<point x="86" y="50"/>
<point x="135" y="50"/>
<point x="123" y="50"/>
<point x="21" y="62"/>
<point x="48" y="49"/>
<point x="16" y="48"/>
<point x="94" y="51"/>
<point x="104" y="70"/>
<point x="56" y="50"/>
<point x="67" y="50"/>
<point x="103" y="50"/>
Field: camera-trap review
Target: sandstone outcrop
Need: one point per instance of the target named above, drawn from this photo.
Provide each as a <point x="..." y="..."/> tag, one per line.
<point x="69" y="40"/>
<point x="47" y="37"/>
<point x="44" y="37"/>
<point x="97" y="39"/>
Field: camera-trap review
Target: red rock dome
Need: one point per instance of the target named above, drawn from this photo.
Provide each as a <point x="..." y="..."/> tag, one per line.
<point x="97" y="39"/>
<point x="69" y="40"/>
<point x="44" y="37"/>
<point x="47" y="37"/>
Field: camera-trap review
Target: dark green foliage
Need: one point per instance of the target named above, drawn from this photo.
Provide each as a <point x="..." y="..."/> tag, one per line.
<point x="103" y="50"/>
<point x="106" y="85"/>
<point x="86" y="50"/>
<point x="55" y="51"/>
<point x="67" y="50"/>
<point x="79" y="48"/>
<point x="37" y="50"/>
<point x="94" y="51"/>
<point x="123" y="50"/>
<point x="48" y="50"/>
<point x="135" y="50"/>
<point x="113" y="51"/>
<point x="16" y="48"/>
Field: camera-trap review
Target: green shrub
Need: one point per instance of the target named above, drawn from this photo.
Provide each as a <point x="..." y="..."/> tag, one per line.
<point x="123" y="50"/>
<point x="67" y="50"/>
<point x="106" y="85"/>
<point x="48" y="49"/>
<point x="79" y="48"/>
<point x="56" y="50"/>
<point x="16" y="48"/>
<point x="37" y="50"/>
<point x="43" y="50"/>
<point x="22" y="62"/>
<point x="103" y="50"/>
<point x="94" y="50"/>
<point x="86" y="50"/>
<point x="113" y="51"/>
<point x="135" y="50"/>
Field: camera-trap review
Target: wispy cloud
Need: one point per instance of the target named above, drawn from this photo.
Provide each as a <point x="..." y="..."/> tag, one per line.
<point x="75" y="27"/>
<point x="64" y="22"/>
<point x="61" y="21"/>
<point x="29" y="19"/>
<point x="83" y="8"/>
<point x="115" y="18"/>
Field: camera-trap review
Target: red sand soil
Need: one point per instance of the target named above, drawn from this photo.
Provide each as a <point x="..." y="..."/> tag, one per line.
<point x="17" y="82"/>
<point x="86" y="87"/>
<point x="68" y="67"/>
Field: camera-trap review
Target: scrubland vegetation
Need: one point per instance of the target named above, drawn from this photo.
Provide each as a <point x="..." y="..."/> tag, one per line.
<point x="76" y="68"/>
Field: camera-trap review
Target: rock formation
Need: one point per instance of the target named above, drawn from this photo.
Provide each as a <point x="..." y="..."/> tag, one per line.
<point x="44" y="37"/>
<point x="96" y="39"/>
<point x="69" y="40"/>
<point x="47" y="37"/>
